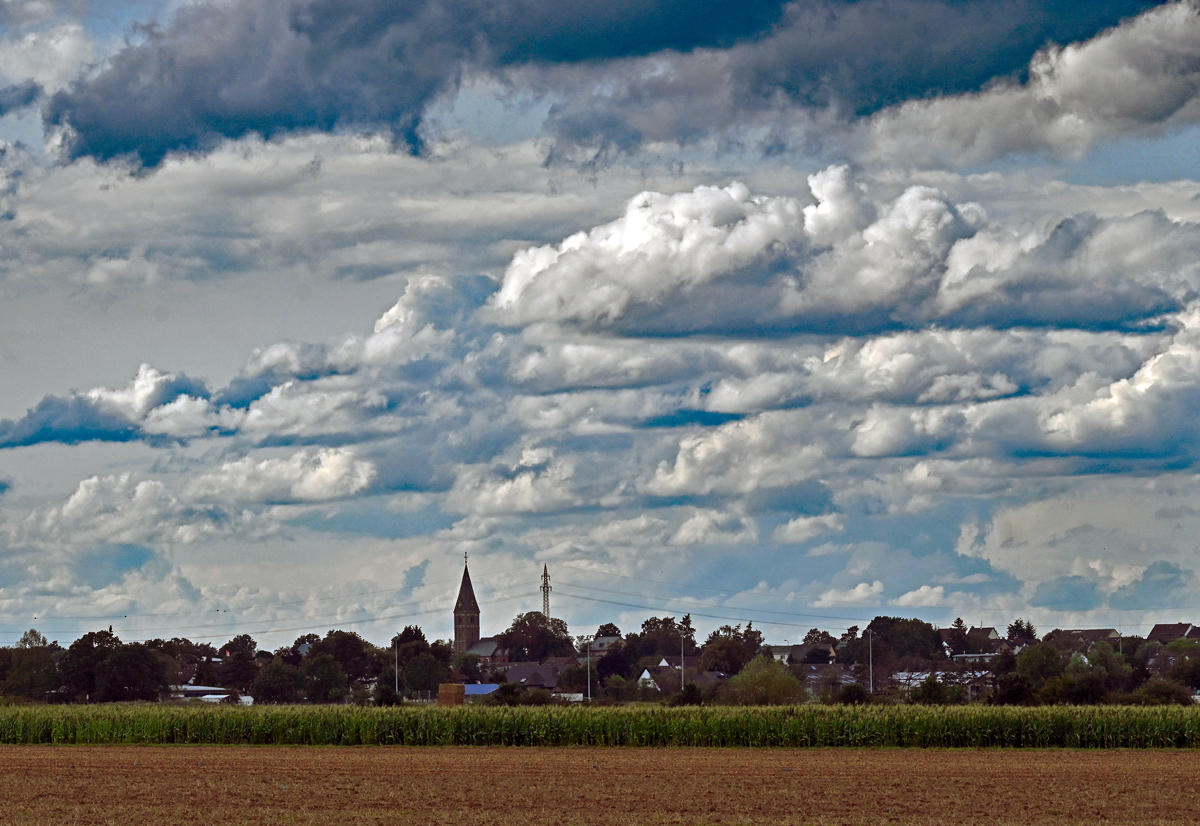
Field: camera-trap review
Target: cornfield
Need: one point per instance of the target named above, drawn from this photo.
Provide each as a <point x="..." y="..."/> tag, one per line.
<point x="793" y="726"/>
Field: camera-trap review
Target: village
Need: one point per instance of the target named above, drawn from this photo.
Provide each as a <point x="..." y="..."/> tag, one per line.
<point x="536" y="660"/>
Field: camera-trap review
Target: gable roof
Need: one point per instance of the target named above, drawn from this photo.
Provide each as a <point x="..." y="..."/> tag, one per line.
<point x="485" y="647"/>
<point x="466" y="595"/>
<point x="1165" y="632"/>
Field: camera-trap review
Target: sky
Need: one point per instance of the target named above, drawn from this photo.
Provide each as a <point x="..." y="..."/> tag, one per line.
<point x="793" y="313"/>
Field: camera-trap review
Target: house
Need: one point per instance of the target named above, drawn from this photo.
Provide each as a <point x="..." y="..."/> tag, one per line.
<point x="562" y="662"/>
<point x="209" y="694"/>
<point x="1084" y="638"/>
<point x="823" y="680"/>
<point x="690" y="662"/>
<point x="975" y="645"/>
<point x="666" y="677"/>
<point x="602" y="645"/>
<point x="488" y="651"/>
<point x="977" y="681"/>
<point x="1165" y="632"/>
<point x="479" y="689"/>
<point x="533" y="675"/>
<point x="819" y="653"/>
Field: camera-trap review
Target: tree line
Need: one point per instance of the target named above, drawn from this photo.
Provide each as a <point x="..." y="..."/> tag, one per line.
<point x="1058" y="668"/>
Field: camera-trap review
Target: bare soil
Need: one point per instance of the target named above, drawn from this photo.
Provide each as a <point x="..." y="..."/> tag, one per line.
<point x="140" y="786"/>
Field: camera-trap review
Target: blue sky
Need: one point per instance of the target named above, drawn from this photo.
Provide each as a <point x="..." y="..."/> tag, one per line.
<point x="790" y="313"/>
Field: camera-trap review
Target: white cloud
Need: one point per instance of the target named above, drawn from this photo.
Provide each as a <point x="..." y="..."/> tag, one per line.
<point x="51" y="57"/>
<point x="706" y="526"/>
<point x="305" y="476"/>
<point x="803" y="528"/>
<point x="864" y="593"/>
<point x="926" y="596"/>
<point x="662" y="244"/>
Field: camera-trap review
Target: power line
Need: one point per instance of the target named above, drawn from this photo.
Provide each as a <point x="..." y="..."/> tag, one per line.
<point x="709" y="605"/>
<point x="42" y="617"/>
<point x="384" y="618"/>
<point x="694" y="613"/>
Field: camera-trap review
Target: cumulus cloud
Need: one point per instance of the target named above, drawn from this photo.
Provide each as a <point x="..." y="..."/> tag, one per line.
<point x="44" y="58"/>
<point x="725" y="260"/>
<point x="102" y="414"/>
<point x="864" y="593"/>
<point x="661" y="245"/>
<point x="305" y="476"/>
<point x="803" y="528"/>
<point x="925" y="596"/>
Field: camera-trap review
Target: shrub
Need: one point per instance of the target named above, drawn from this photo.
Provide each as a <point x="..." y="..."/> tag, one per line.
<point x="853" y="694"/>
<point x="1158" y="692"/>
<point x="763" y="682"/>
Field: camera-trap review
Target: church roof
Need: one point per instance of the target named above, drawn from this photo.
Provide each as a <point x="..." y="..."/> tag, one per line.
<point x="466" y="596"/>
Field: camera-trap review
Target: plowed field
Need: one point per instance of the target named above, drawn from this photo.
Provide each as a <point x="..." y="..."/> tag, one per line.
<point x="139" y="786"/>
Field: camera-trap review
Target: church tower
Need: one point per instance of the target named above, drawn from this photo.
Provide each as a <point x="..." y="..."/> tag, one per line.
<point x="466" y="614"/>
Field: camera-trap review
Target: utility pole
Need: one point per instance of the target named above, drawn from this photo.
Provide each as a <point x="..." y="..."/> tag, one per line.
<point x="546" y="592"/>
<point x="396" y="666"/>
<point x="682" y="672"/>
<point x="589" y="671"/>
<point x="871" y="658"/>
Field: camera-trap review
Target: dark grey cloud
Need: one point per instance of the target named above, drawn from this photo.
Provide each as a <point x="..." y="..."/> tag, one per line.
<point x="19" y="96"/>
<point x="68" y="420"/>
<point x="97" y="416"/>
<point x="1161" y="585"/>
<point x="857" y="57"/>
<point x="276" y="66"/>
<point x="1066" y="593"/>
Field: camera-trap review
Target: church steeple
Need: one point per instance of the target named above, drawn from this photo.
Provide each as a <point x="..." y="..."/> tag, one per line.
<point x="466" y="614"/>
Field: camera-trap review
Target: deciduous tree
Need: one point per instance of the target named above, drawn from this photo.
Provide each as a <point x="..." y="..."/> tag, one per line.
<point x="533" y="637"/>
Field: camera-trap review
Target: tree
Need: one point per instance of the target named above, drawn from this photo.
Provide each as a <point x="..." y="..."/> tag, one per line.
<point x="468" y="666"/>
<point x="729" y="648"/>
<point x="78" y="664"/>
<point x="1021" y="632"/>
<point x="575" y="678"/>
<point x="278" y="682"/>
<point x="28" y="672"/>
<point x="533" y="637"/>
<point x="661" y="637"/>
<point x="291" y="654"/>
<point x="816" y="637"/>
<point x="1187" y="672"/>
<point x="408" y="646"/>
<point x="324" y="680"/>
<point x="33" y="638"/>
<point x="615" y="663"/>
<point x="352" y="652"/>
<point x="130" y="672"/>
<point x="425" y="673"/>
<point x="443" y="651"/>
<point x="608" y="629"/>
<point x="1111" y="666"/>
<point x="238" y="668"/>
<point x="1039" y="663"/>
<point x="763" y="682"/>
